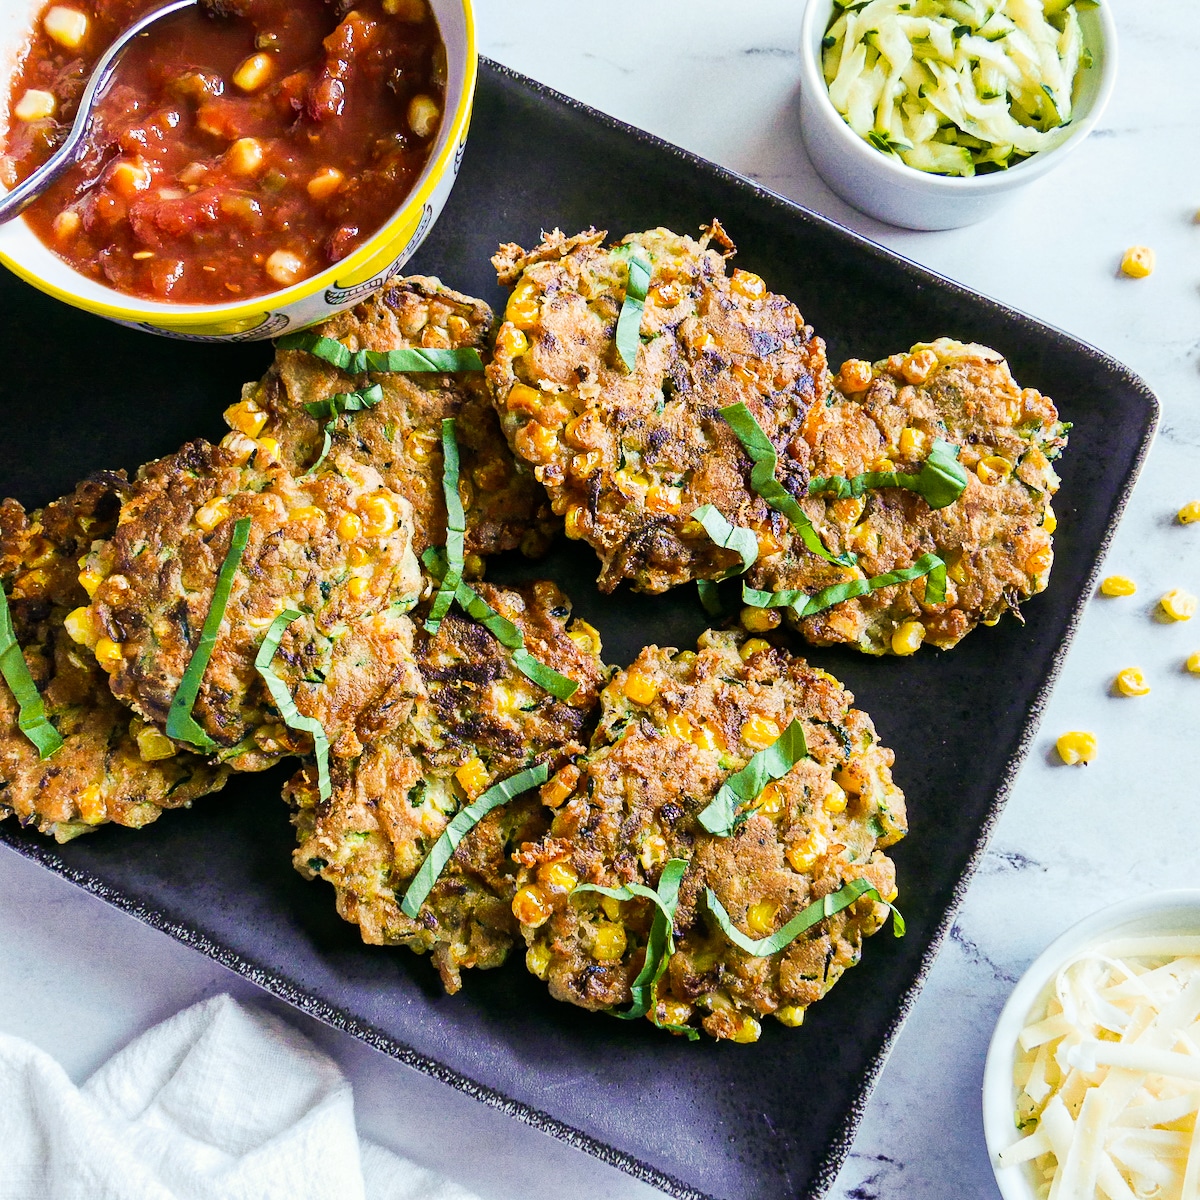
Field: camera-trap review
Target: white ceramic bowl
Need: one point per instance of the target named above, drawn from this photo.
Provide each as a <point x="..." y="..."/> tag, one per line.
<point x="882" y="186"/>
<point x="1175" y="912"/>
<point x="310" y="300"/>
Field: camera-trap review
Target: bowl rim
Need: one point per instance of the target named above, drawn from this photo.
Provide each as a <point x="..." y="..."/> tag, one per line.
<point x="815" y="91"/>
<point x="996" y="1093"/>
<point x="122" y="307"/>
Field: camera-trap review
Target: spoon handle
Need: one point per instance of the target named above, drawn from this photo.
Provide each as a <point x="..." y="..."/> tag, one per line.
<point x="38" y="180"/>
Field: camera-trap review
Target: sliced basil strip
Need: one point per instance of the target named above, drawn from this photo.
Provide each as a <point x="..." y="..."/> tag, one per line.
<point x="743" y="542"/>
<point x="629" y="323"/>
<point x="334" y="406"/>
<point x="462" y="823"/>
<point x="940" y="481"/>
<point x="293" y="718"/>
<point x="358" y="362"/>
<point x="31" y="711"/>
<point x="456" y="525"/>
<point x="729" y="808"/>
<point x="181" y="725"/>
<point x="762" y="479"/>
<point x="805" y="919"/>
<point x="710" y="597"/>
<point x="804" y="605"/>
<point x="660" y="944"/>
<point x="504" y="631"/>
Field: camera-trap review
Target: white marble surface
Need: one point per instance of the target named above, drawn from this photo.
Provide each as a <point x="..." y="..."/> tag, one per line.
<point x="720" y="79"/>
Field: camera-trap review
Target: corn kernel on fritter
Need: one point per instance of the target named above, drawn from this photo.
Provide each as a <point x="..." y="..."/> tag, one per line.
<point x="477" y="721"/>
<point x="347" y="661"/>
<point x="995" y="539"/>
<point x="111" y="765"/>
<point x="627" y="457"/>
<point x="673" y="727"/>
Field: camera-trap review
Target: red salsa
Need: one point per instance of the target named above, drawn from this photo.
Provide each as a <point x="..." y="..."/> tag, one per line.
<point x="233" y="155"/>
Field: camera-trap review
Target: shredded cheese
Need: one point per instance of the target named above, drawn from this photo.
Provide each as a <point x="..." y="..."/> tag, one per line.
<point x="1107" y="1076"/>
<point x="956" y="86"/>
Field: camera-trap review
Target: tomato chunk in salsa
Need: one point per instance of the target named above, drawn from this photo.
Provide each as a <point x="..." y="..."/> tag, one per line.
<point x="231" y="155"/>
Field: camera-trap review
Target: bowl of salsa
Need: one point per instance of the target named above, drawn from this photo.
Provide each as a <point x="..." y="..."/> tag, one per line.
<point x="252" y="167"/>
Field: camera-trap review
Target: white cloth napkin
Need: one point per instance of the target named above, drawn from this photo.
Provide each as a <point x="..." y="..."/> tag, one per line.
<point x="220" y="1102"/>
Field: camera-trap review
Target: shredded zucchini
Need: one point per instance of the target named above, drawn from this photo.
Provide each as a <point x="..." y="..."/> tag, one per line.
<point x="956" y="87"/>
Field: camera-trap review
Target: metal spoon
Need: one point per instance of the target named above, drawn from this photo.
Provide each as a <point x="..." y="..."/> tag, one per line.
<point x="29" y="189"/>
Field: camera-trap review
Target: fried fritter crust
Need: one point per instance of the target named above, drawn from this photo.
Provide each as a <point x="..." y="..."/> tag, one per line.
<point x="995" y="539"/>
<point x="98" y="774"/>
<point x="390" y="805"/>
<point x="628" y="457"/>
<point x="335" y="545"/>
<point x="401" y="436"/>
<point x="652" y="768"/>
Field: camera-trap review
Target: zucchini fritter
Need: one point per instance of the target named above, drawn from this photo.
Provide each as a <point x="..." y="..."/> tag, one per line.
<point x="995" y="539"/>
<point x="336" y="545"/>
<point x="111" y="765"/>
<point x="401" y="436"/>
<point x="627" y="457"/>
<point x="477" y="721"/>
<point x="673" y="727"/>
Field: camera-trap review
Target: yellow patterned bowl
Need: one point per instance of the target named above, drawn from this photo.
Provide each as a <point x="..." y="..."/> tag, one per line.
<point x="337" y="287"/>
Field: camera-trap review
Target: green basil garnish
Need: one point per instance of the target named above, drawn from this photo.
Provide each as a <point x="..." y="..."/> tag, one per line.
<point x="503" y="630"/>
<point x="462" y="823"/>
<point x="293" y="718"/>
<point x="31" y="711"/>
<point x="456" y="525"/>
<point x="729" y="808"/>
<point x="334" y="406"/>
<point x="805" y="919"/>
<point x="629" y="323"/>
<point x="940" y="481"/>
<point x="181" y="725"/>
<point x="710" y="597"/>
<point x="762" y="480"/>
<point x="359" y="362"/>
<point x="804" y="605"/>
<point x="660" y="944"/>
<point x="742" y="542"/>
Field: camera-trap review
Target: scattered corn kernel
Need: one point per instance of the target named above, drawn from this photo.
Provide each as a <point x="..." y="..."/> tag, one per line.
<point x="511" y="342"/>
<point x="522" y="398"/>
<point x="35" y="105"/>
<point x="424" y="114"/>
<point x="748" y="1031"/>
<point x="835" y="799"/>
<point x="1076" y="747"/>
<point x="1039" y="561"/>
<point x="537" y="957"/>
<point x="90" y="580"/>
<point x="153" y="745"/>
<point x="128" y="177"/>
<point x="608" y="942"/>
<point x="420" y="445"/>
<point x="751" y="647"/>
<point x="760" y="918"/>
<point x="660" y="499"/>
<point x="109" y="654"/>
<point x="1118" y="585"/>
<point x="916" y="368"/>
<point x="325" y="183"/>
<point x="673" y="1012"/>
<point x="993" y="469"/>
<point x="246" y="156"/>
<point x="585" y="636"/>
<point x="560" y="787"/>
<point x="91" y="804"/>
<point x="1132" y="682"/>
<point x="536" y="443"/>
<point x="473" y="566"/>
<point x="759" y="620"/>
<point x="558" y="876"/>
<point x="747" y="284"/>
<point x="350" y="526"/>
<point x="285" y="267"/>
<point x="1189" y="512"/>
<point x="1193" y="663"/>
<point x="1179" y="605"/>
<point x="769" y="801"/>
<point x="855" y="376"/>
<point x="914" y="443"/>
<point x="209" y="516"/>
<point x="472" y="776"/>
<point x="357" y="556"/>
<point x="908" y="637"/>
<point x="267" y="451"/>
<point x="357" y="587"/>
<point x="639" y="688"/>
<point x="240" y="447"/>
<point x="1049" y="521"/>
<point x="790" y="1015"/>
<point x="863" y="538"/>
<point x="380" y="514"/>
<point x="523" y="305"/>
<point x="654" y="851"/>
<point x="804" y="854"/>
<point x="680" y="727"/>
<point x="531" y="906"/>
<point x="67" y="224"/>
<point x="760" y="732"/>
<point x="80" y="627"/>
<point x="611" y="907"/>
<point x="252" y="73"/>
<point x="67" y="26"/>
<point x="1138" y="262"/>
<point x="246" y="417"/>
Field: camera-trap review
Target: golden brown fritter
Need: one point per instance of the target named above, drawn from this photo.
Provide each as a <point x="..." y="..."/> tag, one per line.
<point x="673" y="728"/>
<point x="995" y="539"/>
<point x="628" y="457"/>
<point x="401" y="436"/>
<point x="477" y="721"/>
<point x="335" y="545"/>
<point x="111" y="766"/>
